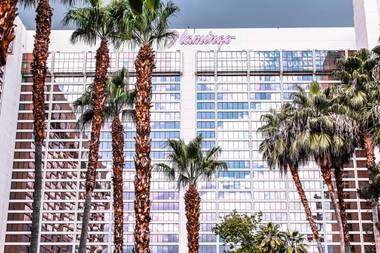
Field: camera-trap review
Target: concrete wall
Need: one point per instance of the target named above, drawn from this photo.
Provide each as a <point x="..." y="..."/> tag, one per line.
<point x="8" y="121"/>
<point x="367" y="21"/>
<point x="255" y="39"/>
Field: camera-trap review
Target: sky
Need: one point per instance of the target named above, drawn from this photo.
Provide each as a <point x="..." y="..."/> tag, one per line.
<point x="239" y="14"/>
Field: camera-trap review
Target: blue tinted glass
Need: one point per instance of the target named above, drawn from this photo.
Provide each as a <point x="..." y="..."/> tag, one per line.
<point x="165" y="135"/>
<point x="238" y="164"/>
<point x="207" y="238"/>
<point x="129" y="144"/>
<point x="208" y="144"/>
<point x="205" y="105"/>
<point x="207" y="134"/>
<point x="205" y="124"/>
<point x="232" y="115"/>
<point x="165" y="124"/>
<point x="234" y="174"/>
<point x="130" y="135"/>
<point x="129" y="155"/>
<point x="205" y="87"/>
<point x="158" y="155"/>
<point x="165" y="87"/>
<point x="129" y="165"/>
<point x="232" y="105"/>
<point x="261" y="96"/>
<point x="205" y="96"/>
<point x="205" y="115"/>
<point x="158" y="144"/>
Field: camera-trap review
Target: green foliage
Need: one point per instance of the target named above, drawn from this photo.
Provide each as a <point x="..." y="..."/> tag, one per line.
<point x="146" y="21"/>
<point x="236" y="229"/>
<point x="324" y="130"/>
<point x="95" y="22"/>
<point x="359" y="91"/>
<point x="136" y="6"/>
<point x="371" y="191"/>
<point x="242" y="234"/>
<point x="270" y="238"/>
<point x="279" y="136"/>
<point x="313" y="126"/>
<point x="188" y="162"/>
<point x="119" y="99"/>
<point x="295" y="242"/>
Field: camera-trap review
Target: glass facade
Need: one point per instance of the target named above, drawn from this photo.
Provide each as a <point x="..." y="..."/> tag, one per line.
<point x="233" y="89"/>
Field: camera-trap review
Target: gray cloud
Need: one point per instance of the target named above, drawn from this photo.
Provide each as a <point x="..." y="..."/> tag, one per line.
<point x="241" y="14"/>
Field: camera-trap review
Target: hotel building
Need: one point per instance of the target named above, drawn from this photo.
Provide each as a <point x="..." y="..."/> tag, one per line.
<point x="213" y="82"/>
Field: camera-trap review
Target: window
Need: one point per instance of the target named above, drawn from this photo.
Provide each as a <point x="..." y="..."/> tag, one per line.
<point x="205" y="115"/>
<point x="205" y="124"/>
<point x="205" y="96"/>
<point x="265" y="60"/>
<point x="205" y="106"/>
<point x="297" y="60"/>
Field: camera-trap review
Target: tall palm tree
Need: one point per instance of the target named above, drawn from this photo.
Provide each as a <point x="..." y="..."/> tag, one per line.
<point x="94" y="23"/>
<point x="145" y="23"/>
<point x="270" y="239"/>
<point x="295" y="242"/>
<point x="359" y="92"/>
<point x="188" y="165"/>
<point x="330" y="137"/>
<point x="39" y="71"/>
<point x="119" y="100"/>
<point x="279" y="151"/>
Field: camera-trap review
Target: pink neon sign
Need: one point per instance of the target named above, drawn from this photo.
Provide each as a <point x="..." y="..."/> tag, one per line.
<point x="204" y="39"/>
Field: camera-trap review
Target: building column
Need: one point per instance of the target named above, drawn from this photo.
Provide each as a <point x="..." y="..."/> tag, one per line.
<point x="188" y="126"/>
<point x="367" y="21"/>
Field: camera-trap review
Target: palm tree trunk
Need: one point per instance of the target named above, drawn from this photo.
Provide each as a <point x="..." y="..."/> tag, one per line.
<point x="369" y="148"/>
<point x="39" y="70"/>
<point x="102" y="64"/>
<point x="144" y="67"/>
<point x="326" y="174"/>
<point x="118" y="165"/>
<point x="305" y="203"/>
<point x="8" y="12"/>
<point x="192" y="205"/>
<point x="342" y="208"/>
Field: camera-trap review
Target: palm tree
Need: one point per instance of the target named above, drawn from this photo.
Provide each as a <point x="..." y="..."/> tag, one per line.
<point x="146" y="23"/>
<point x="359" y="92"/>
<point x="330" y="136"/>
<point x="295" y="242"/>
<point x="270" y="239"/>
<point x="279" y="152"/>
<point x="94" y="23"/>
<point x="188" y="165"/>
<point x="39" y="71"/>
<point x="119" y="100"/>
<point x="356" y="91"/>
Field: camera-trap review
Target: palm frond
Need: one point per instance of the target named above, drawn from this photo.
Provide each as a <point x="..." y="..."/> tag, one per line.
<point x="169" y="172"/>
<point x="86" y="117"/>
<point x="147" y="22"/>
<point x="188" y="164"/>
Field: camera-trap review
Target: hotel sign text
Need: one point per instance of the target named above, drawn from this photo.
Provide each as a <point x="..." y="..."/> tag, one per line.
<point x="202" y="39"/>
